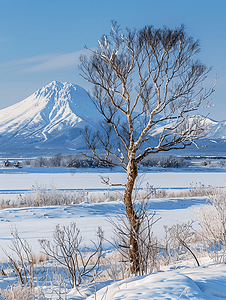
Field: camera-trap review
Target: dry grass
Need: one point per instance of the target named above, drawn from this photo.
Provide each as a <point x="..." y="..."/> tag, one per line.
<point x="41" y="196"/>
<point x="115" y="267"/>
<point x="197" y="191"/>
<point x="39" y="258"/>
<point x="20" y="292"/>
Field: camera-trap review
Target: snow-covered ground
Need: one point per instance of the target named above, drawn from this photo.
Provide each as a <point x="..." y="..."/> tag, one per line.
<point x="70" y="179"/>
<point x="185" y="282"/>
<point x="38" y="222"/>
<point x="208" y="282"/>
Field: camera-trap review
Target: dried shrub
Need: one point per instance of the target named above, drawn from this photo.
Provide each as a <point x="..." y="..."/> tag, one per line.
<point x="67" y="251"/>
<point x="177" y="243"/>
<point x="212" y="220"/>
<point x="23" y="292"/>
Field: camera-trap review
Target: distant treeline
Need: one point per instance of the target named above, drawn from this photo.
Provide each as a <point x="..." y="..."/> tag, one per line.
<point x="58" y="160"/>
<point x="81" y="161"/>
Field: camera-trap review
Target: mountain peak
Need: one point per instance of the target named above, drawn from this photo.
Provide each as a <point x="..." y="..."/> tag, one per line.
<point x="55" y="87"/>
<point x="56" y="110"/>
<point x="58" y="85"/>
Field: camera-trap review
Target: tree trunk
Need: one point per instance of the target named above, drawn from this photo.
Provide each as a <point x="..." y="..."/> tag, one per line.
<point x="132" y="217"/>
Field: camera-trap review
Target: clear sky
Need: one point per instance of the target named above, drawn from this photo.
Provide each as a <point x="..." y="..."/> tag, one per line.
<point x="41" y="40"/>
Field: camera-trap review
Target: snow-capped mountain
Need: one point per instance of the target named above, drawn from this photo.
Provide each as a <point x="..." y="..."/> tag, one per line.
<point x="50" y="121"/>
<point x="169" y="123"/>
<point x="51" y="117"/>
<point x="218" y="130"/>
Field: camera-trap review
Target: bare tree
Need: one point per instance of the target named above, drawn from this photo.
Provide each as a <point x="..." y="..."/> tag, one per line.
<point x="66" y="250"/>
<point x="23" y="263"/>
<point x="145" y="82"/>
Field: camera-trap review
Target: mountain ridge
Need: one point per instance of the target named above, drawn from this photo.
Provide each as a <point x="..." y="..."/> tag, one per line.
<point x="52" y="118"/>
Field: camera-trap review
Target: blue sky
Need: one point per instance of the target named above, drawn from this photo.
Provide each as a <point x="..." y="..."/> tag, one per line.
<point x="41" y="41"/>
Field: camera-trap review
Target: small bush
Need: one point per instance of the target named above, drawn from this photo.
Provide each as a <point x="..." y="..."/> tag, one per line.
<point x="18" y="292"/>
<point x="67" y="251"/>
<point x="212" y="219"/>
<point x="177" y="243"/>
<point x="23" y="292"/>
<point x="21" y="259"/>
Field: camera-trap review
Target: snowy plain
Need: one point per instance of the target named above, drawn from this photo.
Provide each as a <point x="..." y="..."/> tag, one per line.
<point x="185" y="281"/>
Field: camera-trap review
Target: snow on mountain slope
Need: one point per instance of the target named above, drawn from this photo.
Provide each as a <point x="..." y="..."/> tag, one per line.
<point x="169" y="123"/>
<point x="50" y="121"/>
<point x="218" y="131"/>
<point x="56" y="113"/>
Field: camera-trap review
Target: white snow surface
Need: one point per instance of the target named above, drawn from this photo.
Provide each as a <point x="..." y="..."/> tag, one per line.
<point x="218" y="130"/>
<point x="69" y="178"/>
<point x="180" y="282"/>
<point x="187" y="283"/>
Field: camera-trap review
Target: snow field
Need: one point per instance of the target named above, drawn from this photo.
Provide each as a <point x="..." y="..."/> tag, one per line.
<point x="22" y="181"/>
<point x="179" y="281"/>
<point x="89" y="216"/>
<point x="203" y="283"/>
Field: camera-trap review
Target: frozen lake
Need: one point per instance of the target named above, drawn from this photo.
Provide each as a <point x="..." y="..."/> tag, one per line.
<point x="23" y="181"/>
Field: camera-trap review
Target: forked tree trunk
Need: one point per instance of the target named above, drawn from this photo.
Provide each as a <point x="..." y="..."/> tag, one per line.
<point x="133" y="218"/>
